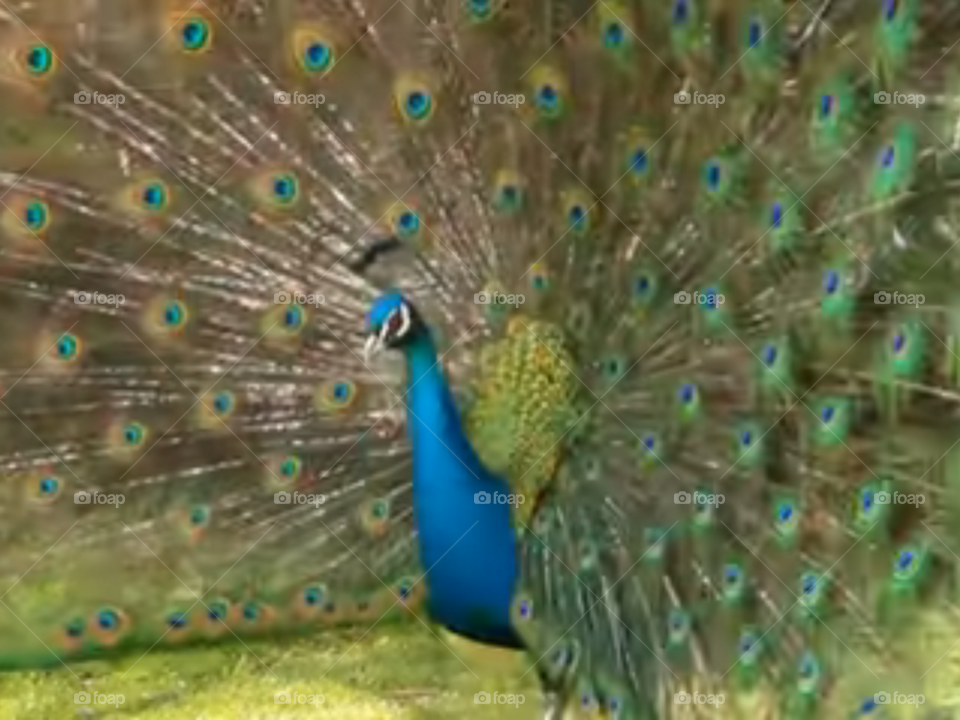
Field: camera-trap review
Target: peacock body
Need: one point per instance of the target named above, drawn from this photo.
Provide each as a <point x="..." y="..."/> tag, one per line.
<point x="301" y="329"/>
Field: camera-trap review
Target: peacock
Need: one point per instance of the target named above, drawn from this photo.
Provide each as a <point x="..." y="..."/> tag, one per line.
<point x="620" y="333"/>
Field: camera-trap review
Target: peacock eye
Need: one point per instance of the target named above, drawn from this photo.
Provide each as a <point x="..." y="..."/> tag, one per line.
<point x="195" y="34"/>
<point x="317" y="56"/>
<point x="39" y="60"/>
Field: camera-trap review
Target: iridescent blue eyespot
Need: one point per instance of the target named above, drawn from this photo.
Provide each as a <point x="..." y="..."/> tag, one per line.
<point x="777" y="214"/>
<point x="831" y="281"/>
<point x="222" y="403"/>
<point x="285" y="188"/>
<point x="769" y="354"/>
<point x="341" y="391"/>
<point x="35" y="215"/>
<point x="49" y="486"/>
<point x="217" y="611"/>
<point x="713" y="175"/>
<point x="177" y="620"/>
<point x="173" y="314"/>
<point x="826" y="105"/>
<point x="731" y="574"/>
<point x="195" y="34"/>
<point x="867" y="500"/>
<point x="889" y="9"/>
<point x="525" y="609"/>
<point x="312" y="596"/>
<point x="250" y="612"/>
<point x="638" y="164"/>
<point x="785" y="512"/>
<point x="408" y="223"/>
<point x="39" y="59"/>
<point x="417" y="104"/>
<point x="868" y="706"/>
<point x="905" y="559"/>
<point x="613" y="35"/>
<point x="755" y="32"/>
<point x="293" y="317"/>
<point x="74" y="628"/>
<point x="577" y="217"/>
<point x="686" y="393"/>
<point x="826" y="413"/>
<point x="317" y="56"/>
<point x="480" y="9"/>
<point x="887" y="157"/>
<point x="67" y="347"/>
<point x="133" y="434"/>
<point x="809" y="584"/>
<point x="899" y="340"/>
<point x="108" y="620"/>
<point x="681" y="11"/>
<point x="154" y="196"/>
<point x="548" y="98"/>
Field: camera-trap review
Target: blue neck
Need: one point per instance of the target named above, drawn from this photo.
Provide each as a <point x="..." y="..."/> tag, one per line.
<point x="467" y="548"/>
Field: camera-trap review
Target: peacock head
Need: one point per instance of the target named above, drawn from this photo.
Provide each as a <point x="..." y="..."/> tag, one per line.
<point x="392" y="322"/>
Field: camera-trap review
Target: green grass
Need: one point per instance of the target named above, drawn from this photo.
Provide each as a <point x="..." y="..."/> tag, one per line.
<point x="399" y="671"/>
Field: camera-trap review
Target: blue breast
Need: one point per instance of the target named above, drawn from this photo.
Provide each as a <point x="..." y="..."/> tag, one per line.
<point x="468" y="549"/>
